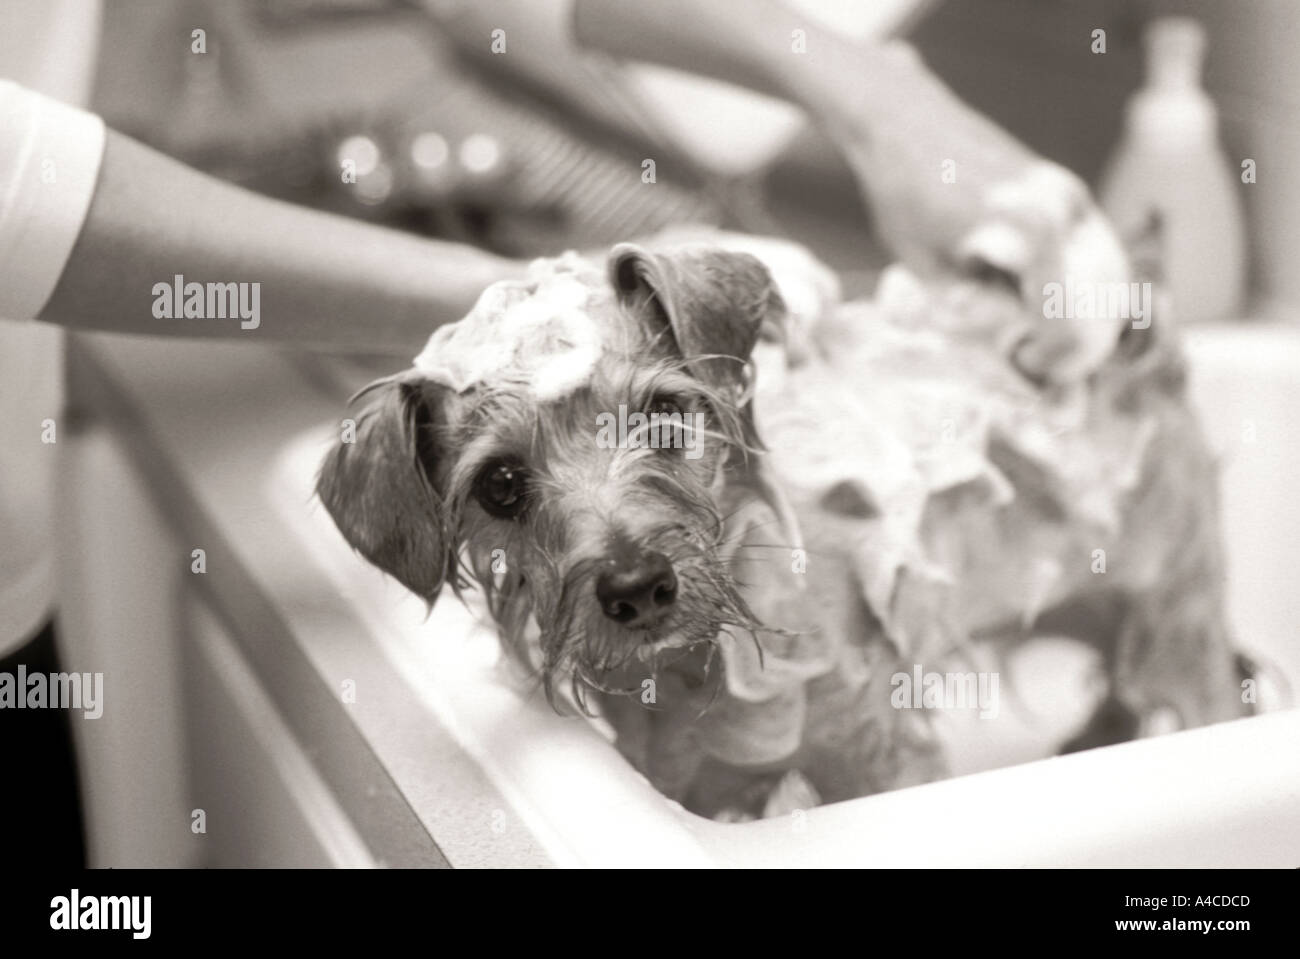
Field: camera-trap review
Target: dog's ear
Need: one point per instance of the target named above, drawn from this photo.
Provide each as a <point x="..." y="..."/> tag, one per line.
<point x="380" y="482"/>
<point x="705" y="303"/>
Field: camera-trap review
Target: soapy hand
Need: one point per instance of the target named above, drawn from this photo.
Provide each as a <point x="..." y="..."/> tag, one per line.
<point x="956" y="198"/>
<point x="970" y="208"/>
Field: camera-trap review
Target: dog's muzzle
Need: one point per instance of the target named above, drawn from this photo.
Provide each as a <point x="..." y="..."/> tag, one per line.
<point x="636" y="588"/>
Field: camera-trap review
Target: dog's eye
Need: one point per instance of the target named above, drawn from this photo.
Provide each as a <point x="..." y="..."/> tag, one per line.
<point x="663" y="406"/>
<point x="501" y="488"/>
<point x="668" y="423"/>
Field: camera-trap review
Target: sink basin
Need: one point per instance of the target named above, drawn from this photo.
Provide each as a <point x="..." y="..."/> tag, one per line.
<point x="1227" y="795"/>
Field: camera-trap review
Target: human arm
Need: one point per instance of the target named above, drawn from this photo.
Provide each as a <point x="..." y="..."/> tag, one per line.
<point x="92" y="221"/>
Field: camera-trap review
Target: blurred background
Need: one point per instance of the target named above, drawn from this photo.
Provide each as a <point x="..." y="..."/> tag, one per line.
<point x="450" y="146"/>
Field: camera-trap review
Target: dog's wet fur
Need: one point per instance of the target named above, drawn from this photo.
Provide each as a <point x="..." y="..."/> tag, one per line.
<point x="606" y="566"/>
<point x="409" y="493"/>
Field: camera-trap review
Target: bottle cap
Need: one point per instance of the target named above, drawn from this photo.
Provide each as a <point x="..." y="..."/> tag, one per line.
<point x="1175" y="50"/>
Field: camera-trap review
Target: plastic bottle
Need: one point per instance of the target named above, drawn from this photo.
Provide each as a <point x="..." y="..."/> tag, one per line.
<point x="1169" y="175"/>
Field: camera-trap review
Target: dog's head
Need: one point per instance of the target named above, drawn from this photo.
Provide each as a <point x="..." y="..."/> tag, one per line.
<point x="572" y="447"/>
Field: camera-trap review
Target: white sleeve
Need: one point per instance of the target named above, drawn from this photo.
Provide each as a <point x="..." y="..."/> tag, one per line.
<point x="49" y="159"/>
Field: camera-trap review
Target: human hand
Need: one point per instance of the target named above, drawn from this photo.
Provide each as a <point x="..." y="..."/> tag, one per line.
<point x="968" y="207"/>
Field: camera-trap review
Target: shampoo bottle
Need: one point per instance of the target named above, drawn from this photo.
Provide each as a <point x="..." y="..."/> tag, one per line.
<point x="1170" y="175"/>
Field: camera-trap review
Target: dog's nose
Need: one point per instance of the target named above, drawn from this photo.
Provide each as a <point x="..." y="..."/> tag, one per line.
<point x="636" y="589"/>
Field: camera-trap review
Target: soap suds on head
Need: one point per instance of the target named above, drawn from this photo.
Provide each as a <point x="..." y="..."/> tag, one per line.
<point x="539" y="333"/>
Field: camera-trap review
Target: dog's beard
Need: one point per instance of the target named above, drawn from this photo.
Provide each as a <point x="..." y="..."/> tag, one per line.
<point x="551" y="622"/>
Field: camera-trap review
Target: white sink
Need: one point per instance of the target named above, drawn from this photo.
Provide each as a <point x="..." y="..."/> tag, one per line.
<point x="1220" y="796"/>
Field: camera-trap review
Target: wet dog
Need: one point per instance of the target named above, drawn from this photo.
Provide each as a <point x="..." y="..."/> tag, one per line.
<point x="646" y="570"/>
<point x="583" y="449"/>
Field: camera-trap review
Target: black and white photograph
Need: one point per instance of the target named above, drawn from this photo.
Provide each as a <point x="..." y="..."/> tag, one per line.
<point x="626" y="434"/>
